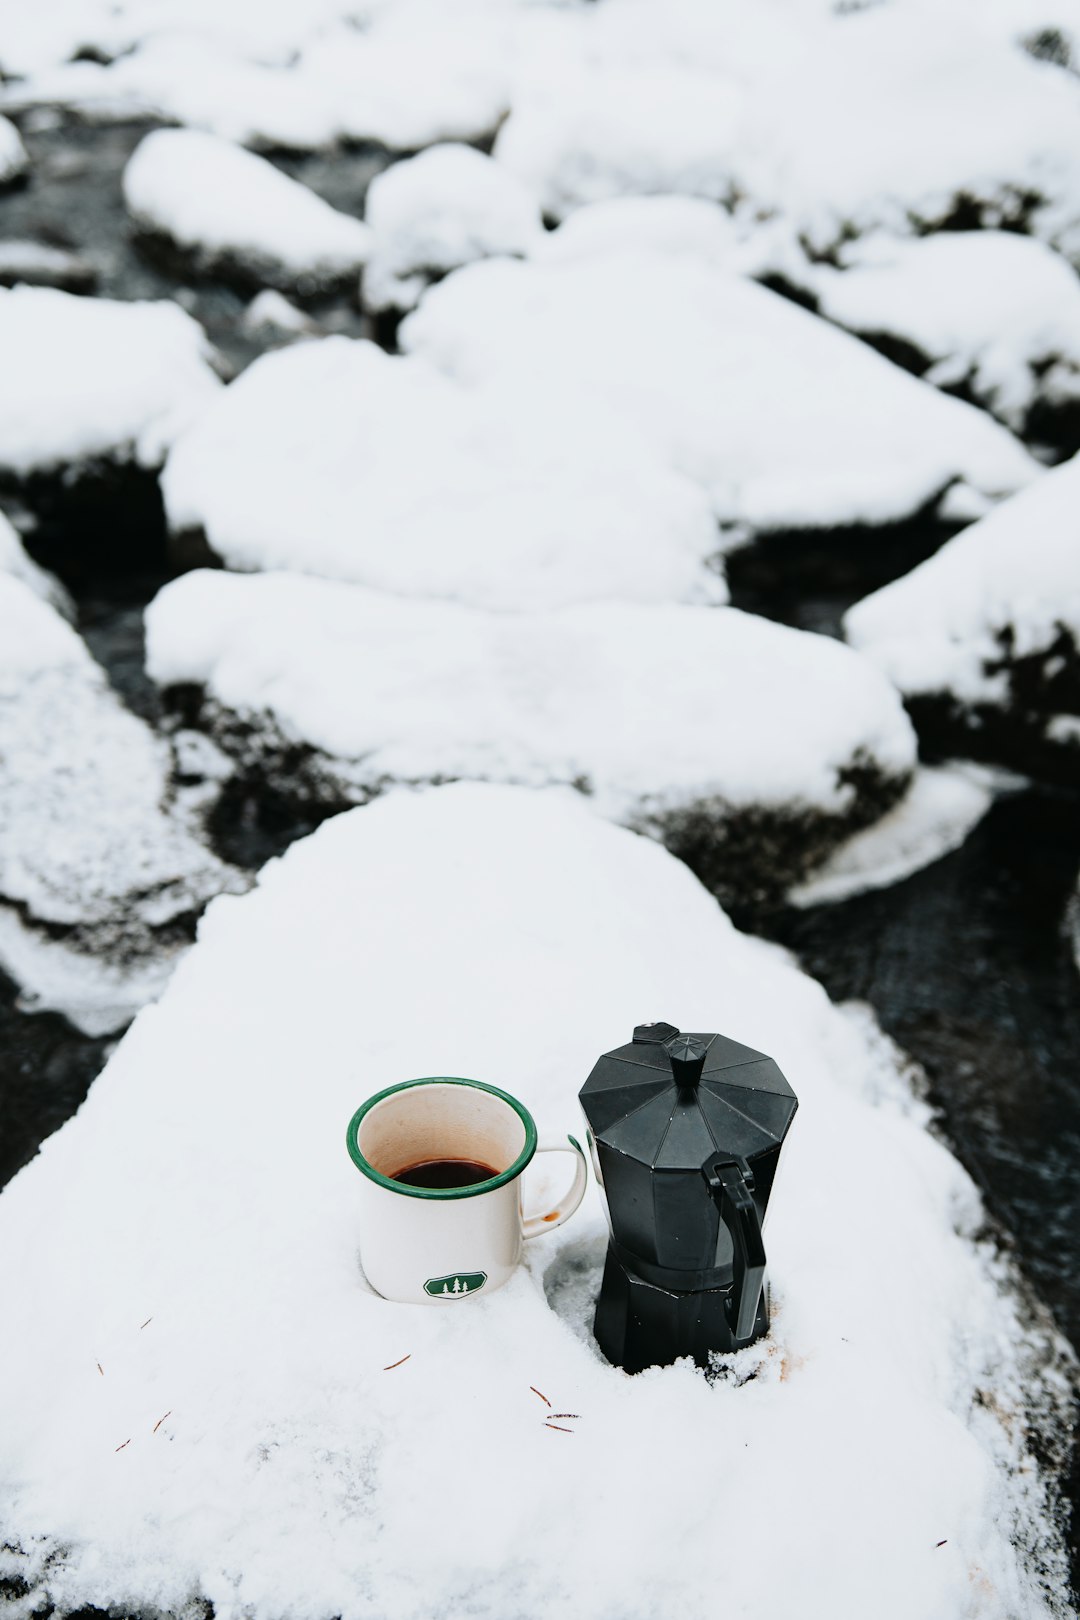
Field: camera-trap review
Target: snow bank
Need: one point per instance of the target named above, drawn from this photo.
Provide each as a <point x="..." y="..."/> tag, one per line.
<point x="699" y="724"/>
<point x="90" y="377"/>
<point x="334" y="458"/>
<point x="435" y="212"/>
<point x="88" y="849"/>
<point x="13" y="159"/>
<point x="196" y="1405"/>
<point x="234" y="214"/>
<point x="984" y="635"/>
<point x="991" y="311"/>
<point x="785" y="421"/>
<point x="932" y="819"/>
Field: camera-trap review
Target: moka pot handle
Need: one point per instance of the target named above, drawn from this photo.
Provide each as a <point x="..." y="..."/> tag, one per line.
<point x="731" y="1182"/>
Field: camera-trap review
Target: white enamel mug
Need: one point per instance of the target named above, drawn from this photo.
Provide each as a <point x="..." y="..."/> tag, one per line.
<point x="436" y="1246"/>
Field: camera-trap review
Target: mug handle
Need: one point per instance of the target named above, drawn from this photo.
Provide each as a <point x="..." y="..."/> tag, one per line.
<point x="533" y="1225"/>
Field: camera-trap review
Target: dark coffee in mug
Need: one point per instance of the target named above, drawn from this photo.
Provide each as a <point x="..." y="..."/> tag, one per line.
<point x="444" y="1173"/>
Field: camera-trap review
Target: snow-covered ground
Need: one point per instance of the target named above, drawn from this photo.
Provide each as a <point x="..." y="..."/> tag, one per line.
<point x="93" y="378"/>
<point x="90" y="855"/>
<point x="986" y="631"/>
<point x="782" y="419"/>
<point x="208" y="1402"/>
<point x="991" y="312"/>
<point x="309" y="461"/>
<point x="710" y="727"/>
<point x="231" y="214"/>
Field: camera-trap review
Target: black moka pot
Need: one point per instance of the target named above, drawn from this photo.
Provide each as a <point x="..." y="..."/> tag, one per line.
<point x="685" y="1133"/>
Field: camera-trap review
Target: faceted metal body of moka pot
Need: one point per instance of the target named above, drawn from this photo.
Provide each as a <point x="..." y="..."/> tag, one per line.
<point x="685" y="1133"/>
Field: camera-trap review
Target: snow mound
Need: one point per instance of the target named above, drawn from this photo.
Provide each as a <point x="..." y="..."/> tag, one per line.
<point x="952" y="125"/>
<point x="156" y="1452"/>
<point x="91" y="377"/>
<point x="990" y="311"/>
<point x="678" y="226"/>
<point x="13" y="159"/>
<point x="932" y="819"/>
<point x="43" y="266"/>
<point x="437" y="211"/>
<point x="785" y="421"/>
<point x="88" y="850"/>
<point x="233" y="213"/>
<point x="982" y="638"/>
<point x="311" y="460"/>
<point x="695" y="723"/>
<point x="14" y="561"/>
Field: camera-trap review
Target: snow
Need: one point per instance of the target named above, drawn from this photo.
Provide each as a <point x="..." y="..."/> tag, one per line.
<point x="1006" y="589"/>
<point x="13" y="159"/>
<point x="935" y="816"/>
<point x="310" y="461"/>
<point x="14" y="561"/>
<point x="88" y="849"/>
<point x="269" y="310"/>
<point x="993" y="311"/>
<point x="231" y="209"/>
<point x="45" y="266"/>
<point x="437" y="211"/>
<point x="90" y="377"/>
<point x="656" y="708"/>
<point x="785" y="421"/>
<point x="678" y="226"/>
<point x="197" y="1407"/>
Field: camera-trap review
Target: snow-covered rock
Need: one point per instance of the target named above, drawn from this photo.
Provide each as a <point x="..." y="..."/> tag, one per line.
<point x="201" y="1208"/>
<point x="39" y="265"/>
<point x="435" y="212"/>
<point x="90" y="379"/>
<point x="334" y="458"/>
<point x="932" y="819"/>
<point x="14" y="161"/>
<point x="785" y="421"/>
<point x="270" y="312"/>
<point x="982" y="638"/>
<point x="991" y="312"/>
<point x="89" y="852"/>
<point x="911" y="117"/>
<point x="749" y="748"/>
<point x="14" y="561"/>
<point x="232" y="214"/>
<point x="675" y="226"/>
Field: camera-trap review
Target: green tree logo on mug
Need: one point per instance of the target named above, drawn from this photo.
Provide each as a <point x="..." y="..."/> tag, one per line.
<point x="442" y="1160"/>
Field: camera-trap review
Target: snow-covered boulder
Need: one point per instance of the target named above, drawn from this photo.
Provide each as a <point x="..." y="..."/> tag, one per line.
<point x="750" y="749"/>
<point x="90" y="854"/>
<point x="334" y="458"/>
<point x="785" y="421"/>
<point x="231" y="214"/>
<point x="982" y="639"/>
<point x="37" y="264"/>
<point x="14" y="561"/>
<point x="87" y="380"/>
<point x="14" y="161"/>
<point x="675" y="226"/>
<point x="989" y="312"/>
<point x="201" y="1207"/>
<point x="912" y="118"/>
<point x="435" y="212"/>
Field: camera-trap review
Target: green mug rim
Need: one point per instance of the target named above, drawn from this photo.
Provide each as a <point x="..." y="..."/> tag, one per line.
<point x="442" y="1194"/>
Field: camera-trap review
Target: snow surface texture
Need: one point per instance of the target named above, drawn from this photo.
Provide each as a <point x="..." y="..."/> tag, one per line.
<point x="991" y="312"/>
<point x="986" y="631"/>
<point x="310" y="461"/>
<point x="436" y="212"/>
<point x="155" y="1452"/>
<point x="783" y="420"/>
<point x="88" y="378"/>
<point x="688" y="722"/>
<point x="88" y="851"/>
<point x="233" y="214"/>
<point x="13" y="159"/>
<point x="932" y="819"/>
